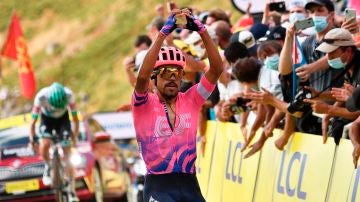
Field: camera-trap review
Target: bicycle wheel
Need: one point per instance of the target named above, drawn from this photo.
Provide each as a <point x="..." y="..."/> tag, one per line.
<point x="57" y="177"/>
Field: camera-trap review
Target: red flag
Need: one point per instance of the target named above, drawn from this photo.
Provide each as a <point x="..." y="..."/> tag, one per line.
<point x="15" y="48"/>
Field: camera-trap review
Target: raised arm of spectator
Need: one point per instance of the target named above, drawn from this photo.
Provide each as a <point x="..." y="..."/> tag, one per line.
<point x="129" y="65"/>
<point x="352" y="25"/>
<point x="266" y="13"/>
<point x="285" y="61"/>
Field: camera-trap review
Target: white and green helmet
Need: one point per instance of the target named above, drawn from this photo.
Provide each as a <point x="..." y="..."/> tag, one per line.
<point x="57" y="95"/>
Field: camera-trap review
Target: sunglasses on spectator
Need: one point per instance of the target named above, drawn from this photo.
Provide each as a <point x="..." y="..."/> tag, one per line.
<point x="168" y="72"/>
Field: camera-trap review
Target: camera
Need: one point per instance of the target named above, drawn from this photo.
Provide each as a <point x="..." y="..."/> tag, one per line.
<point x="278" y="6"/>
<point x="240" y="105"/>
<point x="298" y="104"/>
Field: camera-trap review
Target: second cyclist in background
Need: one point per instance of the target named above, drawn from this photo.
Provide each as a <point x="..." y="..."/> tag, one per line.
<point x="52" y="104"/>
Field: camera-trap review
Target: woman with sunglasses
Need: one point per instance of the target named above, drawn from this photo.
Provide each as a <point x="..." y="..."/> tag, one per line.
<point x="166" y="121"/>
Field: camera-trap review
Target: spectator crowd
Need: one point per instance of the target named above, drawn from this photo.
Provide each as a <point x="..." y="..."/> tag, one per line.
<point x="278" y="72"/>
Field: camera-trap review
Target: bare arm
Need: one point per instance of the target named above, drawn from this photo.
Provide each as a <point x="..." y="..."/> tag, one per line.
<point x="76" y="125"/>
<point x="216" y="66"/>
<point x="129" y="64"/>
<point x="266" y="14"/>
<point x="285" y="61"/>
<point x="355" y="132"/>
<point x="335" y="110"/>
<point x="143" y="79"/>
<point x="32" y="129"/>
<point x="274" y="121"/>
<point x="355" y="139"/>
<point x="265" y="97"/>
<point x="260" y="118"/>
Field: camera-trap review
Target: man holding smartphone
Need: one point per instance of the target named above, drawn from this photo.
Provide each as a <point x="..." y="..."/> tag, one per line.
<point x="315" y="72"/>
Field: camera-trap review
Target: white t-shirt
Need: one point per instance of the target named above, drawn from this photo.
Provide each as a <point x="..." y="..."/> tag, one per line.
<point x="269" y="79"/>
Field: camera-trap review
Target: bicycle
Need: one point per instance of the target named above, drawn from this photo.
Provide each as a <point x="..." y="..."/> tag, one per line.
<point x="58" y="180"/>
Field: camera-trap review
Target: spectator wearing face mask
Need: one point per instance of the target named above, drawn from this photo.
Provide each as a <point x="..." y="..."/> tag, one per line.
<point x="314" y="73"/>
<point x="297" y="12"/>
<point x="339" y="46"/>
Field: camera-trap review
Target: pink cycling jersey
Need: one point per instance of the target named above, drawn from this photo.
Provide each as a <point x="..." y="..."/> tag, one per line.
<point x="165" y="150"/>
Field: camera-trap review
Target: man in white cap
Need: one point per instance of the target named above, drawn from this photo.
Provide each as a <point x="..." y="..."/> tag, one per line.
<point x="342" y="54"/>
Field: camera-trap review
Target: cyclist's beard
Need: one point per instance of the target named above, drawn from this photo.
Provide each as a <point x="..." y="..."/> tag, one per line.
<point x="168" y="97"/>
<point x="169" y="94"/>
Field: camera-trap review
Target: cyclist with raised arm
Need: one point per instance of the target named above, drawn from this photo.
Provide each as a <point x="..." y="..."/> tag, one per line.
<point x="52" y="104"/>
<point x="166" y="121"/>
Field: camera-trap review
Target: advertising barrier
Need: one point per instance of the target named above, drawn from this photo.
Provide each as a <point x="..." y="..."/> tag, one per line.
<point x="269" y="159"/>
<point x="217" y="168"/>
<point x="203" y="161"/>
<point x="239" y="174"/>
<point x="345" y="179"/>
<point x="306" y="170"/>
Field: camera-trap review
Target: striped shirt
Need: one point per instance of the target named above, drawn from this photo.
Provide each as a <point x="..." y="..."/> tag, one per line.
<point x="320" y="79"/>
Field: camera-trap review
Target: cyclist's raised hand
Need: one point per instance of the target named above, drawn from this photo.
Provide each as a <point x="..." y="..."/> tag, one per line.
<point x="193" y="23"/>
<point x="170" y="24"/>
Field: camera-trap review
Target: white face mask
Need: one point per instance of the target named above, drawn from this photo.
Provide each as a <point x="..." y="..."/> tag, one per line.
<point x="200" y="52"/>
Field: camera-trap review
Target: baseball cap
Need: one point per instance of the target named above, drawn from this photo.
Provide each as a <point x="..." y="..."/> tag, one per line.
<point x="297" y="3"/>
<point x="334" y="39"/>
<point x="245" y="37"/>
<point x="277" y="33"/>
<point x="353" y="102"/>
<point x="327" y="3"/>
<point x="259" y="30"/>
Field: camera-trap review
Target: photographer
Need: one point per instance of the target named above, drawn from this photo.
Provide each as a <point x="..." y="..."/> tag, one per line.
<point x="342" y="54"/>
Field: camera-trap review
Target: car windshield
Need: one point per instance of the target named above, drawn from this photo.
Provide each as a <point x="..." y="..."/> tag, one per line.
<point x="20" y="135"/>
<point x="14" y="136"/>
